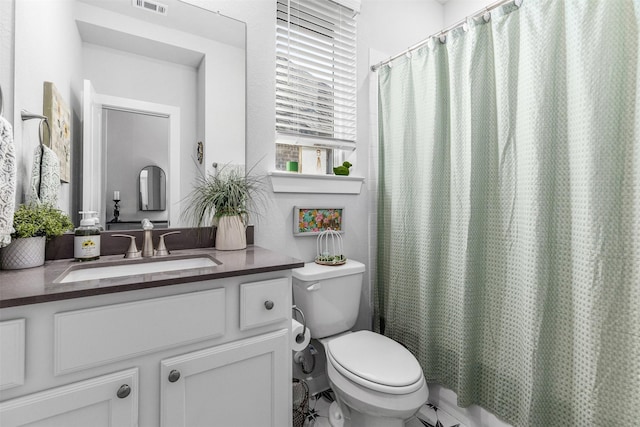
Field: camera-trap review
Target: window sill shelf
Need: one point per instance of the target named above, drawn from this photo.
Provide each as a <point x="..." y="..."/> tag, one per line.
<point x="291" y="182"/>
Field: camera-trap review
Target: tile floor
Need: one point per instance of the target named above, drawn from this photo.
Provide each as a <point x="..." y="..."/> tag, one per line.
<point x="426" y="416"/>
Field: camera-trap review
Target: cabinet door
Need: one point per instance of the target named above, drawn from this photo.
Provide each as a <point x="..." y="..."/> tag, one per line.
<point x="12" y="353"/>
<point x="110" y="401"/>
<point x="240" y="384"/>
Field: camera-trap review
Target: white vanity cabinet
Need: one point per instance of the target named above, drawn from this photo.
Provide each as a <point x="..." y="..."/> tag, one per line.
<point x="215" y="352"/>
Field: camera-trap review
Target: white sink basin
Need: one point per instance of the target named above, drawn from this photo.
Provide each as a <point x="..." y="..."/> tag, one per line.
<point x="78" y="273"/>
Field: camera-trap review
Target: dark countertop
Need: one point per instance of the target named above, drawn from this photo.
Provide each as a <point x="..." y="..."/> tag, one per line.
<point x="36" y="285"/>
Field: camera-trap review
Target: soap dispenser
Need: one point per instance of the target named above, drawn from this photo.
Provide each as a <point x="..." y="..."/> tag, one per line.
<point x="86" y="242"/>
<point x="96" y="220"/>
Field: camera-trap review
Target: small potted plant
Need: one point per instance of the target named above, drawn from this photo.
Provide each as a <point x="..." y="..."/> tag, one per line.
<point x="34" y="224"/>
<point x="224" y="200"/>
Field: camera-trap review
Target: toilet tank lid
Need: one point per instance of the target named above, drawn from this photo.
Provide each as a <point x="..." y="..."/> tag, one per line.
<point x="312" y="271"/>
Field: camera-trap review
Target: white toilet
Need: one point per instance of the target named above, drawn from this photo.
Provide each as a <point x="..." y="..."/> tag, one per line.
<point x="377" y="382"/>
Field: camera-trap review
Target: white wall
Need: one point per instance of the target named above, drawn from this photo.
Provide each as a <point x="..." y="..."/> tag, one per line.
<point x="455" y="10"/>
<point x="54" y="55"/>
<point x="6" y="57"/>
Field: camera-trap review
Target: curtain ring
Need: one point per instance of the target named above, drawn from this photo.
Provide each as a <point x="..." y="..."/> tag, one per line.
<point x="486" y="16"/>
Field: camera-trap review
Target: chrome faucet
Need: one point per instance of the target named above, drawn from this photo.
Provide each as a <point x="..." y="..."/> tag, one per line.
<point x="147" y="245"/>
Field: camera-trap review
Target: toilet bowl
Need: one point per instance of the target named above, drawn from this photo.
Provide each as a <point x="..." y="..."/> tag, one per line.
<point x="377" y="382"/>
<point x="375" y="379"/>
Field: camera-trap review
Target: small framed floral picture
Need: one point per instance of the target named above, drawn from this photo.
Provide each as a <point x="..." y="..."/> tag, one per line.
<point x="313" y="221"/>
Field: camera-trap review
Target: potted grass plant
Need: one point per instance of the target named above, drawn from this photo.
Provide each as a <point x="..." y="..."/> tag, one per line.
<point x="34" y="224"/>
<point x="225" y="200"/>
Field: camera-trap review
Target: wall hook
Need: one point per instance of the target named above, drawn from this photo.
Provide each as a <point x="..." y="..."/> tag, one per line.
<point x="200" y="151"/>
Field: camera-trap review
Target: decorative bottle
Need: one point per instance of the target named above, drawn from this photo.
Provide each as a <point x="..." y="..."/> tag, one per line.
<point x="86" y="243"/>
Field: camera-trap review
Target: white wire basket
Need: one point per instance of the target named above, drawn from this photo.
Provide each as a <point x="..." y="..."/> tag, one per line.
<point x="329" y="248"/>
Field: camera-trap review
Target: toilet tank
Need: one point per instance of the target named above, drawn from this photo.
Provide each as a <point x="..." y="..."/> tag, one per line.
<point x="329" y="296"/>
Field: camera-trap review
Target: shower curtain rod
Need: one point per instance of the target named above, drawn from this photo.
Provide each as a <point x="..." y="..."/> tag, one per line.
<point x="481" y="12"/>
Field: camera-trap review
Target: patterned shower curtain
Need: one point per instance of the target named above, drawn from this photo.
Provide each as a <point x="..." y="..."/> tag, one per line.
<point x="509" y="211"/>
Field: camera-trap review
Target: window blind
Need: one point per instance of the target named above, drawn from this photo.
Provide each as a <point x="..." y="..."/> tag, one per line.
<point x="316" y="73"/>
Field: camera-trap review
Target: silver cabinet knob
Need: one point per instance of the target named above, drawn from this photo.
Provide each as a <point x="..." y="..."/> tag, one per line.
<point x="268" y="304"/>
<point x="174" y="376"/>
<point x="123" y="391"/>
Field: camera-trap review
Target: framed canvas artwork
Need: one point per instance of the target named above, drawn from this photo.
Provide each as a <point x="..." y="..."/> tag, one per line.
<point x="58" y="113"/>
<point x="313" y="160"/>
<point x="313" y="221"/>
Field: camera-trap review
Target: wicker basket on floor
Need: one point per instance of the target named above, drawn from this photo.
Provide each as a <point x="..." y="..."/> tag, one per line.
<point x="300" y="402"/>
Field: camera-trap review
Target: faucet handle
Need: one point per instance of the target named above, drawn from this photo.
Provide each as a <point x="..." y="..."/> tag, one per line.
<point x="133" y="251"/>
<point x="162" y="248"/>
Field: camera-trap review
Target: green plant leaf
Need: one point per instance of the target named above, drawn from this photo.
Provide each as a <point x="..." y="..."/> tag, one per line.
<point x="40" y="220"/>
<point x="230" y="192"/>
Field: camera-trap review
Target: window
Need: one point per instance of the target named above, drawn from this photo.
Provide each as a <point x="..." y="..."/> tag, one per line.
<point x="315" y="81"/>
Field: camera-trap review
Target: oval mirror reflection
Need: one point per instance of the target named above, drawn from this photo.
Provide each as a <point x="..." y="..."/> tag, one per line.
<point x="153" y="189"/>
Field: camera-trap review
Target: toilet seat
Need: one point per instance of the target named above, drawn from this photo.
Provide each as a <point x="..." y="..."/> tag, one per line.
<point x="375" y="362"/>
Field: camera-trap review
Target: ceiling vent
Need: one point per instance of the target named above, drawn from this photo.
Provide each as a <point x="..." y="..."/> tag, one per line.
<point x="151" y="6"/>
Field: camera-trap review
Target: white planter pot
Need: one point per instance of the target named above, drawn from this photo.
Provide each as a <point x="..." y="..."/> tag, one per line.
<point x="23" y="253"/>
<point x="231" y="234"/>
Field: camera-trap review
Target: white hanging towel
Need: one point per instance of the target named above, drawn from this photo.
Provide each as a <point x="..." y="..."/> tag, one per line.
<point x="8" y="172"/>
<point x="45" y="176"/>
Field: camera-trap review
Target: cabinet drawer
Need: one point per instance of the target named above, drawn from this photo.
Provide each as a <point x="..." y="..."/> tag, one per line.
<point x="265" y="302"/>
<point x="101" y="335"/>
<point x="11" y="353"/>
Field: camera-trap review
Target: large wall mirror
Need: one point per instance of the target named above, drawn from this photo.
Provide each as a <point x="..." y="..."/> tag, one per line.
<point x="179" y="70"/>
